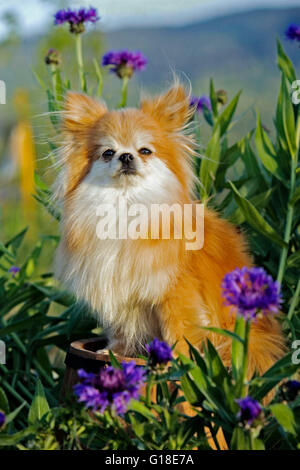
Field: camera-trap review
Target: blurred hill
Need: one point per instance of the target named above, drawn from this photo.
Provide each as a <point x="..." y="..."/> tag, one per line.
<point x="238" y="51"/>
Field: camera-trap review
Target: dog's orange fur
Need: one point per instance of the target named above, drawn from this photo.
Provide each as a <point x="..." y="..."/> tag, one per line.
<point x="193" y="298"/>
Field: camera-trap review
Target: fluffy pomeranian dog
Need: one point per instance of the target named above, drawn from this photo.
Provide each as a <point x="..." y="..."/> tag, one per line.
<point x="146" y="288"/>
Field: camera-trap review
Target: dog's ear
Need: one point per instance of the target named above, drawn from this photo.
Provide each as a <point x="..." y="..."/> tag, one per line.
<point x="172" y="109"/>
<point x="81" y="112"/>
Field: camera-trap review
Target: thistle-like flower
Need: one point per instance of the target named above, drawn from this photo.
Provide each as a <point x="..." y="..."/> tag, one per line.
<point x="159" y="352"/>
<point x="250" y="410"/>
<point x="293" y="32"/>
<point x="124" y="63"/>
<point x="200" y="103"/>
<point x="252" y="291"/>
<point x="111" y="387"/>
<point x="76" y="18"/>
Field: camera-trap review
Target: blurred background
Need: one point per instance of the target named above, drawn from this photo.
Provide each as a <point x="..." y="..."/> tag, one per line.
<point x="234" y="42"/>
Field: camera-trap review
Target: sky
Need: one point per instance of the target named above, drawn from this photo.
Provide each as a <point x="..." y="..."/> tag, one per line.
<point x="34" y="14"/>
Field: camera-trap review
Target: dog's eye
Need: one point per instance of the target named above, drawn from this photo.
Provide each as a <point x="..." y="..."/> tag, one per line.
<point x="109" y="153"/>
<point x="145" y="151"/>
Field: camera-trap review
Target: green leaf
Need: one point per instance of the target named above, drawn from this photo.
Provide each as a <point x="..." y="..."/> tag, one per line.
<point x="39" y="406"/>
<point x="218" y="371"/>
<point x="257" y="444"/>
<point x="296" y="196"/>
<point x="16" y="241"/>
<point x="191" y="392"/>
<point x="266" y="151"/>
<point x="4" y="405"/>
<point x="141" y="409"/>
<point x="11" y="416"/>
<point x="221" y="331"/>
<point x="213" y="98"/>
<point x="13" y="439"/>
<point x="114" y="361"/>
<point x="285" y="417"/>
<point x="22" y="325"/>
<point x="293" y="260"/>
<point x="40" y="80"/>
<point x="282" y="369"/>
<point x="285" y="122"/>
<point x="39" y="183"/>
<point x="207" y="388"/>
<point x="285" y="64"/>
<point x="254" y="218"/>
<point x="240" y="439"/>
<point x="225" y="118"/>
<point x="209" y="163"/>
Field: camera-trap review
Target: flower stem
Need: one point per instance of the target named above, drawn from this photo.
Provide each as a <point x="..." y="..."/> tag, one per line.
<point x="99" y="77"/>
<point x="54" y="78"/>
<point x="245" y="359"/>
<point x="123" y="101"/>
<point x="80" y="62"/>
<point x="149" y="389"/>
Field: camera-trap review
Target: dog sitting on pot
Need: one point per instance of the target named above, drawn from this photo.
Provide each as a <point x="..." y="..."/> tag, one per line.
<point x="146" y="287"/>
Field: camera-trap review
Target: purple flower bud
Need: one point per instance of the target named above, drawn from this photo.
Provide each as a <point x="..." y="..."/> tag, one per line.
<point x="14" y="270"/>
<point x="53" y="57"/>
<point x="124" y="63"/>
<point x="290" y="390"/>
<point x="159" y="352"/>
<point x="250" y="410"/>
<point x="252" y="291"/>
<point x="2" y="419"/>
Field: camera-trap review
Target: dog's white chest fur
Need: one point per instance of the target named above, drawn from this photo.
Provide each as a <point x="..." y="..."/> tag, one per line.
<point x="116" y="277"/>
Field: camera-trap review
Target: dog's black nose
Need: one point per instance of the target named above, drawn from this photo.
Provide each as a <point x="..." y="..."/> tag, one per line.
<point x="126" y="158"/>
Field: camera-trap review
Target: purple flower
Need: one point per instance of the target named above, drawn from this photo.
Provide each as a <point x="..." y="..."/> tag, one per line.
<point x="2" y="419"/>
<point x="200" y="103"/>
<point x="76" y="18"/>
<point x="290" y="390"/>
<point x="252" y="291"/>
<point x="124" y="63"/>
<point x="14" y="270"/>
<point x="159" y="352"/>
<point x="250" y="409"/>
<point x="110" y="387"/>
<point x="293" y="32"/>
